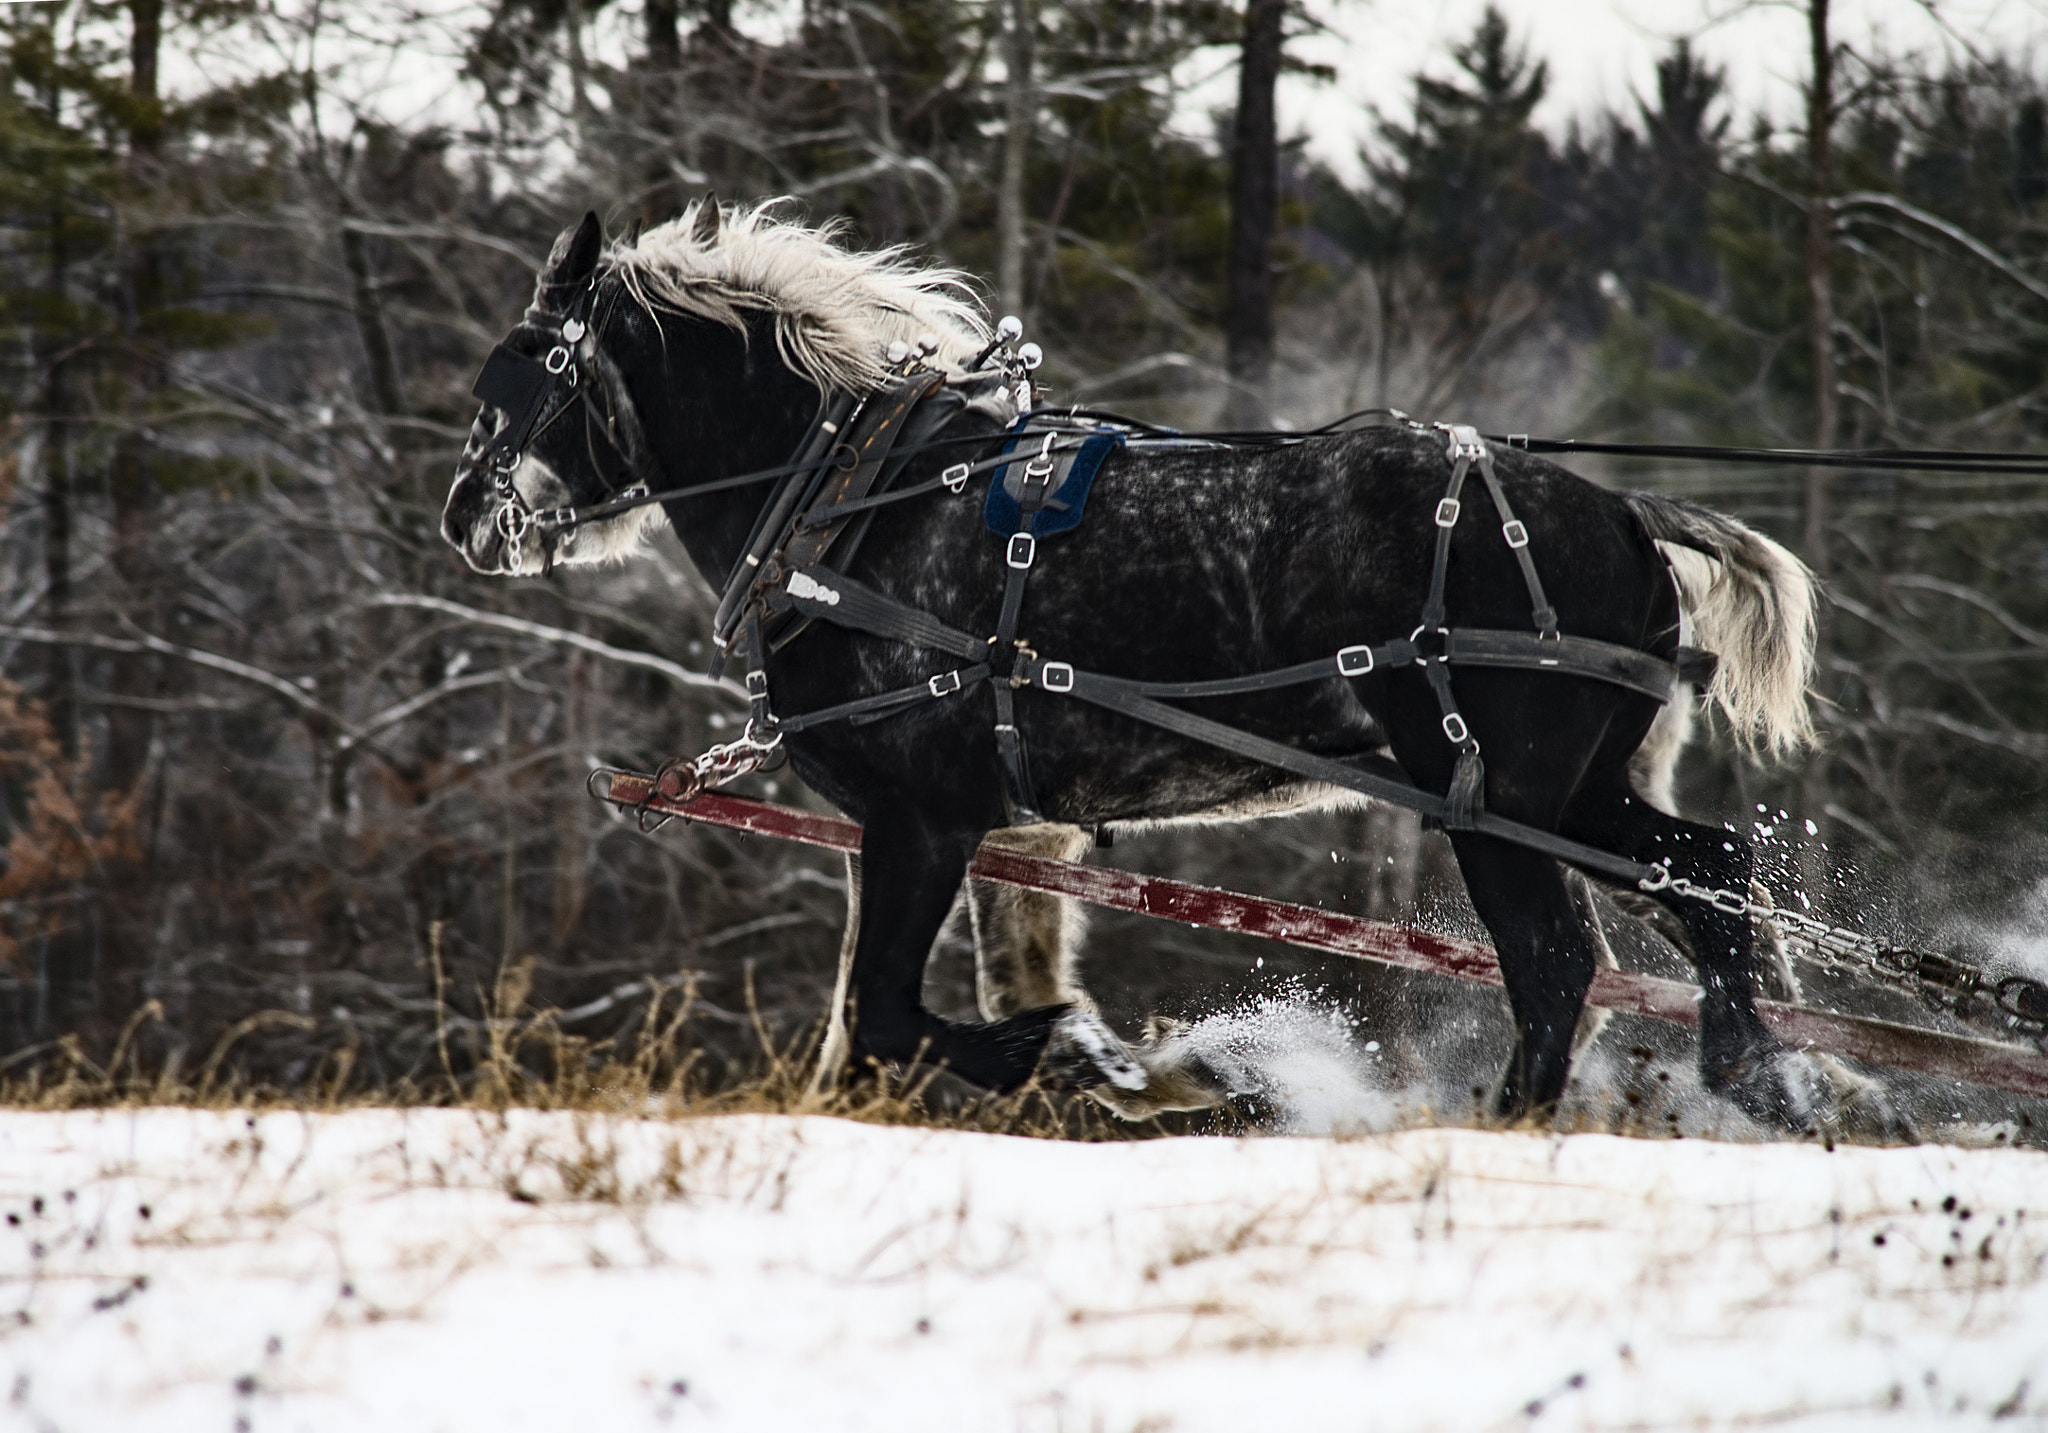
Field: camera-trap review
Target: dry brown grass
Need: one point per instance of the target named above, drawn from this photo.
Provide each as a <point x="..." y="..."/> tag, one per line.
<point x="526" y="1061"/>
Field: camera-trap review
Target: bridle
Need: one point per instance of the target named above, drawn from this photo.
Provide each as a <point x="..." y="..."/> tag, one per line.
<point x="536" y="393"/>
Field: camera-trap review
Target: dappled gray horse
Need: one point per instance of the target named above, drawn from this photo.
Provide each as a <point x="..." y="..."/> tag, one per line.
<point x="707" y="354"/>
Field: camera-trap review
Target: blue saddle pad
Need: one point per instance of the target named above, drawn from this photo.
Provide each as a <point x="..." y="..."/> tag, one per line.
<point x="1073" y="478"/>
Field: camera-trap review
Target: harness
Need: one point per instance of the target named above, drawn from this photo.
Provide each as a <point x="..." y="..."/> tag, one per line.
<point x="842" y="472"/>
<point x="820" y="592"/>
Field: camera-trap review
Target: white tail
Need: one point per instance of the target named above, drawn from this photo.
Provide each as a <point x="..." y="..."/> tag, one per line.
<point x="1752" y="604"/>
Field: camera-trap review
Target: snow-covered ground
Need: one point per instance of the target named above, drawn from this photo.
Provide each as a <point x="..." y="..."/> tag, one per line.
<point x="401" y="1270"/>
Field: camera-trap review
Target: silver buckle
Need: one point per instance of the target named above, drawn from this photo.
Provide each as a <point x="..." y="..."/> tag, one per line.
<point x="1447" y="513"/>
<point x="955" y="477"/>
<point x="1456" y="730"/>
<point x="1465" y="440"/>
<point x="1515" y="533"/>
<point x="757" y="684"/>
<point x="1022" y="552"/>
<point x="557" y="359"/>
<point x="1354" y="661"/>
<point x="1056" y="676"/>
<point x="945" y="683"/>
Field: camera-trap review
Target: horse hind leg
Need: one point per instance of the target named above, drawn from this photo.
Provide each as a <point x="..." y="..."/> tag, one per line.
<point x="1025" y="949"/>
<point x="1546" y="963"/>
<point x="1026" y="946"/>
<point x="1740" y="1059"/>
<point x="1026" y="942"/>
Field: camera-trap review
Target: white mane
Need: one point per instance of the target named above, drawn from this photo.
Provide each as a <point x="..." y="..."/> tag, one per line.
<point x="836" y="312"/>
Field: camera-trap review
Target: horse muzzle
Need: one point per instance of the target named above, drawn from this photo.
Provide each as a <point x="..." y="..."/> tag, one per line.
<point x="493" y="530"/>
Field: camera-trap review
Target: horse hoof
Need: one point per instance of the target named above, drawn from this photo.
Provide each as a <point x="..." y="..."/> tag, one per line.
<point x="1085" y="1054"/>
<point x="1177" y="1077"/>
<point x="1774" y="1086"/>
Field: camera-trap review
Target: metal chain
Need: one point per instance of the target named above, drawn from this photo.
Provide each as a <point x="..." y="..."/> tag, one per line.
<point x="2013" y="1003"/>
<point x="682" y="780"/>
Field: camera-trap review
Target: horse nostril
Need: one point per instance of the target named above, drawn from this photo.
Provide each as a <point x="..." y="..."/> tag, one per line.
<point x="459" y="517"/>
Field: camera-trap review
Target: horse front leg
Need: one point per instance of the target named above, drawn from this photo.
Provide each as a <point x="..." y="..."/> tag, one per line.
<point x="838" y="1046"/>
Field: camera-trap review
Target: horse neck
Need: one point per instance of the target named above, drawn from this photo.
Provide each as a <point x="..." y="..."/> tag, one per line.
<point x="730" y="406"/>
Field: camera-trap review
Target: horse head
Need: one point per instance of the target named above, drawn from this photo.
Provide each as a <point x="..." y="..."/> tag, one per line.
<point x="558" y="429"/>
<point x="704" y="349"/>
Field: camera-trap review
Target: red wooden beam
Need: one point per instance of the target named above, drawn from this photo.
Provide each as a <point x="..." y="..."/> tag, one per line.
<point x="1882" y="1042"/>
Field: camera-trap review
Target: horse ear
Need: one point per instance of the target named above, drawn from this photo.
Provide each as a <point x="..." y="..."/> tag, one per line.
<point x="574" y="256"/>
<point x="709" y="218"/>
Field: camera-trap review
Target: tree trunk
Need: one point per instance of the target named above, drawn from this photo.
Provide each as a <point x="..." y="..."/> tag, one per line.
<point x="1818" y="517"/>
<point x="1020" y="105"/>
<point x="664" y="39"/>
<point x="61" y="696"/>
<point x="131" y="480"/>
<point x="370" y="322"/>
<point x="1254" y="205"/>
<point x="1820" y="107"/>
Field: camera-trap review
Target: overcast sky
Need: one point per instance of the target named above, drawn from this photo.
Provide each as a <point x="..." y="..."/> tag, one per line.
<point x="1603" y="51"/>
<point x="1600" y="52"/>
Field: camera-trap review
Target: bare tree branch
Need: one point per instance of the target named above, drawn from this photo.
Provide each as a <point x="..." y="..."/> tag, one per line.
<point x="540" y="631"/>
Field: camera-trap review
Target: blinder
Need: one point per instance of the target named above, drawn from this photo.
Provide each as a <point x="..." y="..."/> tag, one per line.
<point x="518" y="387"/>
<point x="521" y="387"/>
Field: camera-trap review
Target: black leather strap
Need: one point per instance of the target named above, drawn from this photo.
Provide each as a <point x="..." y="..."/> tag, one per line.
<point x="1020" y="554"/>
<point x="887" y="704"/>
<point x="775" y="514"/>
<point x="838" y="599"/>
<point x="1572" y="656"/>
<point x="1118" y="696"/>
<point x="1511" y="528"/>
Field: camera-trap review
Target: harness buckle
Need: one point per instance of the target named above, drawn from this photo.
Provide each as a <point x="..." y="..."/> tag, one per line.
<point x="633" y="494"/>
<point x="1022" y="551"/>
<point x="1516" y="534"/>
<point x="1465" y="441"/>
<point x="1456" y="730"/>
<point x="1056" y="676"/>
<point x="547" y="519"/>
<point x="944" y="684"/>
<point x="955" y="477"/>
<point x="1447" y="512"/>
<point x="1354" y="661"/>
<point x="557" y="359"/>
<point x="757" y="684"/>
